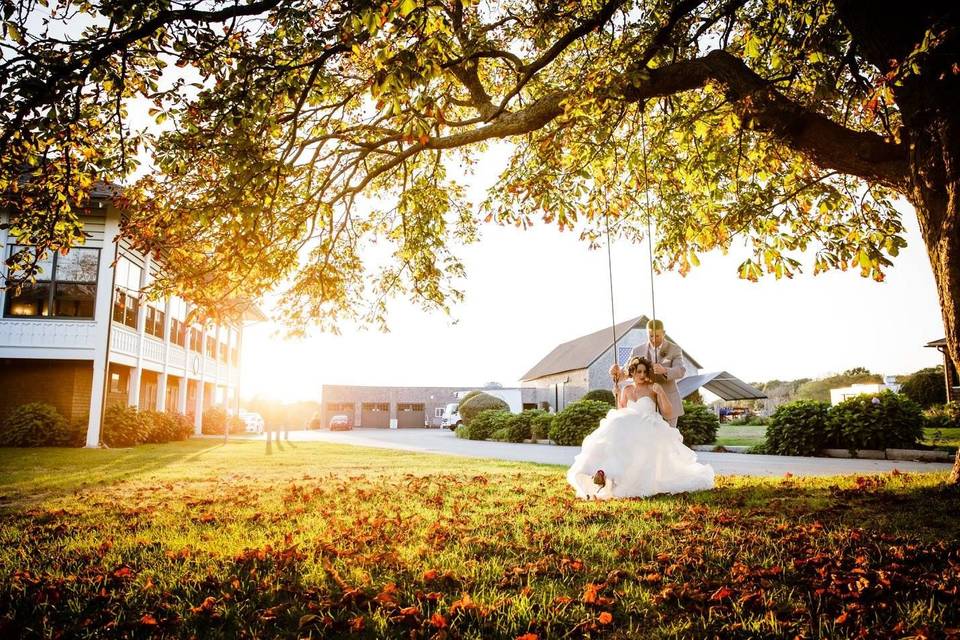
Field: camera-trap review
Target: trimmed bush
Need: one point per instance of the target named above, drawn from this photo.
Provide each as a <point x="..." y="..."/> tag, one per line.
<point x="478" y="403"/>
<point x="881" y="421"/>
<point x="124" y="426"/>
<point x="540" y="426"/>
<point x="798" y="429"/>
<point x="601" y="395"/>
<point x="36" y="424"/>
<point x="501" y="435"/>
<point x="520" y="427"/>
<point x="470" y="394"/>
<point x="216" y="419"/>
<point x="484" y="424"/>
<point x="578" y="419"/>
<point x="462" y="431"/>
<point x="698" y="425"/>
<point x="166" y="427"/>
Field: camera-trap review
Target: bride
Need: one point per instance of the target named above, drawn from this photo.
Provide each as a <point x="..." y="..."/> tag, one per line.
<point x="635" y="452"/>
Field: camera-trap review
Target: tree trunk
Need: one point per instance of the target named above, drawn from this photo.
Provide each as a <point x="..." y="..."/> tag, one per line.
<point x="935" y="169"/>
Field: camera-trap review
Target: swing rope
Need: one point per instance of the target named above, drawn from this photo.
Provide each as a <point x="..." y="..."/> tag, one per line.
<point x="606" y="217"/>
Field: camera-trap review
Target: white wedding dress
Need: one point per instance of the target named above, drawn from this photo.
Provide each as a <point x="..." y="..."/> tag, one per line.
<point x="641" y="455"/>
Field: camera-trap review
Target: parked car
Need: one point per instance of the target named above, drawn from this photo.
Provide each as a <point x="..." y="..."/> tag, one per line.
<point x="252" y="421"/>
<point x="340" y="422"/>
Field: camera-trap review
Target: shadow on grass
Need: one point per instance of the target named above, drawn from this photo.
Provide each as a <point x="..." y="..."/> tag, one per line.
<point x="28" y="475"/>
<point x="872" y="502"/>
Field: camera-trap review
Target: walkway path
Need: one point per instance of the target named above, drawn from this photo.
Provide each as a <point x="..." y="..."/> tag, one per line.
<point x="443" y="441"/>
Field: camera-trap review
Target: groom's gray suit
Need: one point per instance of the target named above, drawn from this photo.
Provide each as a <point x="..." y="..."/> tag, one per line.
<point x="670" y="356"/>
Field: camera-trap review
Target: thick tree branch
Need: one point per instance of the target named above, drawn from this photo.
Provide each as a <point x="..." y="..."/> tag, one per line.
<point x="826" y="143"/>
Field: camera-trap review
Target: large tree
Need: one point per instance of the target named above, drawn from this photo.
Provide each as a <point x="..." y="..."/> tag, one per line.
<point x="297" y="131"/>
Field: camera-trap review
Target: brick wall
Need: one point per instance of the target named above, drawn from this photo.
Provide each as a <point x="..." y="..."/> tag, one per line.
<point x="65" y="384"/>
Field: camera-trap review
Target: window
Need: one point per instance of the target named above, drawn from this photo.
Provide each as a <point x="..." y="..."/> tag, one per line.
<point x="196" y="339"/>
<point x="66" y="286"/>
<point x="438" y="412"/>
<point x="340" y="407"/>
<point x="126" y="301"/>
<point x="211" y="346"/>
<point x="178" y="314"/>
<point x="154" y="321"/>
<point x="376" y="406"/>
<point x="409" y="407"/>
<point x="223" y="351"/>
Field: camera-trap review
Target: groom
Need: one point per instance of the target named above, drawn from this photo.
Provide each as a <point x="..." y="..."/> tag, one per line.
<point x="667" y="359"/>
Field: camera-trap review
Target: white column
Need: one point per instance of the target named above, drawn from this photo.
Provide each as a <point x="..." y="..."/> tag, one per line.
<point x="185" y="380"/>
<point x="216" y="363"/>
<point x="133" y="397"/>
<point x="236" y="391"/>
<point x="103" y="312"/>
<point x="198" y="409"/>
<point x="162" y="384"/>
<point x="228" y="385"/>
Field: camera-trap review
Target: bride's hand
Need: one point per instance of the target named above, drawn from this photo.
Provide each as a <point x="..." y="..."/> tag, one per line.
<point x="656" y="388"/>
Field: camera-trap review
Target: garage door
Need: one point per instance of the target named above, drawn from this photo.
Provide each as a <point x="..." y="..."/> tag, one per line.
<point x="375" y="414"/>
<point x="410" y="415"/>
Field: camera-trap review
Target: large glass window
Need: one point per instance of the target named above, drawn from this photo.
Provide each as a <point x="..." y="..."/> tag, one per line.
<point x="178" y="316"/>
<point x="126" y="301"/>
<point x="66" y="286"/>
<point x="196" y="339"/>
<point x="154" y="321"/>
<point x="211" y="345"/>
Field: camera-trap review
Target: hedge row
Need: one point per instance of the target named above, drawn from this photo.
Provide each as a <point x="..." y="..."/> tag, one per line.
<point x="882" y="421"/>
<point x="38" y="424"/>
<point x="497" y="424"/>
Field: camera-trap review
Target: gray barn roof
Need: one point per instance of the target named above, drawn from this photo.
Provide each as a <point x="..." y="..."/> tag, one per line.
<point x="719" y="383"/>
<point x="584" y="351"/>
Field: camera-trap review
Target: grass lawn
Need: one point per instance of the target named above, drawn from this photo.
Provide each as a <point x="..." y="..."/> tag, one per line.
<point x="319" y="540"/>
<point x="741" y="435"/>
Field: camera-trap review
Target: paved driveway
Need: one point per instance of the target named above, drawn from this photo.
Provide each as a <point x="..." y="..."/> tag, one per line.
<point x="443" y="441"/>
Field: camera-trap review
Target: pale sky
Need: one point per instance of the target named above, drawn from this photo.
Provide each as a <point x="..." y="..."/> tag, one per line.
<point x="527" y="291"/>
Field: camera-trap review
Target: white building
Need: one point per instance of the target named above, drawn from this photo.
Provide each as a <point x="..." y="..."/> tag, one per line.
<point x="82" y="337"/>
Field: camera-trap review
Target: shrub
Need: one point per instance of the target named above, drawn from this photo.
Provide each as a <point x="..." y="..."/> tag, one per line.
<point x="470" y="394"/>
<point x="885" y="420"/>
<point x="601" y="395"/>
<point x="925" y="387"/>
<point x="578" y="419"/>
<point x="520" y="427"/>
<point x="501" y="435"/>
<point x="798" y="429"/>
<point x="36" y="424"/>
<point x="484" y="424"/>
<point x="462" y="431"/>
<point x="540" y="426"/>
<point x="166" y="427"/>
<point x="124" y="426"/>
<point x="698" y="425"/>
<point x="478" y="403"/>
<point x="216" y="419"/>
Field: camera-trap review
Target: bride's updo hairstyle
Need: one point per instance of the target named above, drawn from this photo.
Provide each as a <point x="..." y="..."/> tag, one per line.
<point x="637" y="364"/>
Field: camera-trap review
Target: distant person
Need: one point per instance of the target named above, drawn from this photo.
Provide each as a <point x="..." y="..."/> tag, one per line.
<point x="634" y="452"/>
<point x="667" y="359"/>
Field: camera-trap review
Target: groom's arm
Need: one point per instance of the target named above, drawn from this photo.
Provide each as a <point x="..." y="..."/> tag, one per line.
<point x="676" y="369"/>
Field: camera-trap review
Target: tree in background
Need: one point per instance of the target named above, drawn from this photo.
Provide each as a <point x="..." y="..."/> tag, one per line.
<point x="819" y="390"/>
<point x="793" y="125"/>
